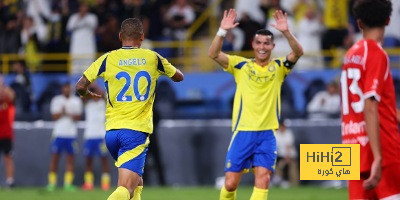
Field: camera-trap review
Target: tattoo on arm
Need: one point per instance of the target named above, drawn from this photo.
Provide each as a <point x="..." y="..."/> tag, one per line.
<point x="82" y="86"/>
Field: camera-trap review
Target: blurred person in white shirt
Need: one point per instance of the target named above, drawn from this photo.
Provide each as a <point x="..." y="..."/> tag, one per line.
<point x="83" y="47"/>
<point x="66" y="110"/>
<point x="94" y="145"/>
<point x="309" y="31"/>
<point x="281" y="47"/>
<point x="286" y="169"/>
<point x="178" y="18"/>
<point x="325" y="104"/>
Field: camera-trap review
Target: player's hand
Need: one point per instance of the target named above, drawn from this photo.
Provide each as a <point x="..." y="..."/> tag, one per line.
<point x="63" y="111"/>
<point x="374" y="177"/>
<point x="228" y="21"/>
<point x="281" y="21"/>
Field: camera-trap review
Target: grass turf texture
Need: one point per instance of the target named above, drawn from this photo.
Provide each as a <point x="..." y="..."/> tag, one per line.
<point x="170" y="193"/>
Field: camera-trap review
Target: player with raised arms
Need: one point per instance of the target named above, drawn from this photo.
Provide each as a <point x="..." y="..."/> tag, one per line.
<point x="256" y="109"/>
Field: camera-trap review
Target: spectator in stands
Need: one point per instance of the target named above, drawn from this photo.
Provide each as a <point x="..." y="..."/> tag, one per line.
<point x="249" y="28"/>
<point x="22" y="87"/>
<point x="178" y="18"/>
<point x="108" y="35"/>
<point x="300" y="8"/>
<point x="338" y="32"/>
<point x="30" y="41"/>
<point x="325" y="104"/>
<point x="66" y="109"/>
<point x="280" y="41"/>
<point x="8" y="9"/>
<point x="137" y="9"/>
<point x="56" y="38"/>
<point x="44" y="99"/>
<point x="39" y="11"/>
<point x="251" y="8"/>
<point x="199" y="6"/>
<point x="7" y="112"/>
<point x="95" y="145"/>
<point x="82" y="48"/>
<point x="309" y="31"/>
<point x="156" y="21"/>
<point x="289" y="5"/>
<point x="104" y="8"/>
<point x="9" y="36"/>
<point x="286" y="167"/>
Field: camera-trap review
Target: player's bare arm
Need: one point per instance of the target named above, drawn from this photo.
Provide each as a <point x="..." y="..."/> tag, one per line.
<point x="82" y="88"/>
<point x="178" y="76"/>
<point x="372" y="124"/>
<point x="7" y="93"/>
<point x="282" y="26"/>
<point x="227" y="23"/>
<point x="60" y="114"/>
<point x="76" y="117"/>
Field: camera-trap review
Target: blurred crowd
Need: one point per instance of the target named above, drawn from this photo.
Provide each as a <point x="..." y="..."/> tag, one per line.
<point x="83" y="28"/>
<point x="91" y="25"/>
<point x="322" y="26"/>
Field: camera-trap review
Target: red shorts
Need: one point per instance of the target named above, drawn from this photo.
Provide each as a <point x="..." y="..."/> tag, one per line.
<point x="388" y="187"/>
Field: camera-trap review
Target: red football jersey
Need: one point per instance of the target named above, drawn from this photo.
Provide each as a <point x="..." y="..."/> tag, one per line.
<point x="7" y="113"/>
<point x="366" y="73"/>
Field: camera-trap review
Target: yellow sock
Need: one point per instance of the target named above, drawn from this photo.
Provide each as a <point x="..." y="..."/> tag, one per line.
<point x="259" y="194"/>
<point x="105" y="178"/>
<point x="89" y="178"/>
<point x="226" y="195"/>
<point x="52" y="178"/>
<point x="137" y="193"/>
<point x="68" y="178"/>
<point x="121" y="193"/>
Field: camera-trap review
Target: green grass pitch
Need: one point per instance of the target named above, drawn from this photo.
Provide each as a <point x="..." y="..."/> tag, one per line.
<point x="170" y="193"/>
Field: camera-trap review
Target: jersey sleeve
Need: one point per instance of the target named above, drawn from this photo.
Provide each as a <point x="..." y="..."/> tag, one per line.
<point x="235" y="63"/>
<point x="283" y="70"/>
<point x="97" y="68"/>
<point x="376" y="72"/>
<point x="165" y="67"/>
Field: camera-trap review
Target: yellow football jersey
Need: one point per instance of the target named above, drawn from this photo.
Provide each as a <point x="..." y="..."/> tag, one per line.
<point x="258" y="91"/>
<point x="336" y="14"/>
<point x="130" y="76"/>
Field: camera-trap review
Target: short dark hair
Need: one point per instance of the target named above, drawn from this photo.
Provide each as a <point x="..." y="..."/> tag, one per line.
<point x="131" y="29"/>
<point x="264" y="32"/>
<point x="373" y="13"/>
<point x="65" y="84"/>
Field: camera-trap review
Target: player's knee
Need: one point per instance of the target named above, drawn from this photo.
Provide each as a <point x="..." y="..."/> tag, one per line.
<point x="262" y="180"/>
<point x="230" y="185"/>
